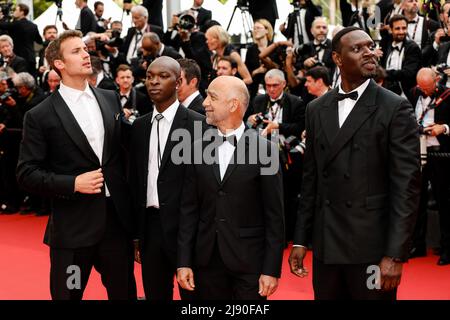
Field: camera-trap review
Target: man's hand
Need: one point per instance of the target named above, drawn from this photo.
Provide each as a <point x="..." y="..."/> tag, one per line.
<point x="310" y="62"/>
<point x="267" y="285"/>
<point x="42" y="69"/>
<point x="271" y="125"/>
<point x="296" y="261"/>
<point x="90" y="182"/>
<point x="391" y="273"/>
<point x="10" y="102"/>
<point x="2" y="127"/>
<point x="434" y="130"/>
<point x="185" y="278"/>
<point x="137" y="251"/>
<point x="127" y="112"/>
<point x="252" y="119"/>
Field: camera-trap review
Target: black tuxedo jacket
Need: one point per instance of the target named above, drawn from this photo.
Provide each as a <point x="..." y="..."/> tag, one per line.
<point x="350" y="17"/>
<point x="107" y="83"/>
<point x="308" y="50"/>
<point x="361" y="187"/>
<point x="312" y="11"/>
<point x="19" y="64"/>
<point x="54" y="150"/>
<point x="154" y="8"/>
<point x="169" y="178"/>
<point x="410" y="66"/>
<point x="197" y="105"/>
<point x="132" y="32"/>
<point x="441" y="113"/>
<point x="171" y="52"/>
<point x="293" y="113"/>
<point x="204" y="15"/>
<point x="24" y="33"/>
<point x="88" y="22"/>
<point x="243" y="212"/>
<point x="140" y="101"/>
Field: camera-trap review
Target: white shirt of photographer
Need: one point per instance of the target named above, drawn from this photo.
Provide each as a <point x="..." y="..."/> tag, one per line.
<point x="87" y="113"/>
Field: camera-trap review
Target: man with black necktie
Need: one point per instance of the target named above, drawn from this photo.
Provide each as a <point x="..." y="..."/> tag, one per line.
<point x="432" y="108"/>
<point x="71" y="152"/>
<point x="401" y="59"/>
<point x="231" y="234"/>
<point x="360" y="189"/>
<point x="156" y="180"/>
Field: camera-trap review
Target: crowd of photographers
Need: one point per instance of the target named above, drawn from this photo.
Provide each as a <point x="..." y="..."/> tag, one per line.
<point x="282" y="77"/>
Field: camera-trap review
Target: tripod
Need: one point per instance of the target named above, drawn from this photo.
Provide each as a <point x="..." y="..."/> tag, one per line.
<point x="246" y="22"/>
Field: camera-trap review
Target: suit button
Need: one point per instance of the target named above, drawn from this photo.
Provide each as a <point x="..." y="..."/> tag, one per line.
<point x="356" y="147"/>
<point x="325" y="174"/>
<point x="346" y="176"/>
<point x="162" y="204"/>
<point x="327" y="202"/>
<point x="348" y="204"/>
<point x="222" y="220"/>
<point x="221" y="193"/>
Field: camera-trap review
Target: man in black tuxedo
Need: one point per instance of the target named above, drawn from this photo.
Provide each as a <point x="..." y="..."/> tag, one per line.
<point x="285" y="113"/>
<point x="298" y="29"/>
<point x="10" y="59"/>
<point x="354" y="13"/>
<point x="156" y="180"/>
<point x="154" y="48"/>
<point x="50" y="33"/>
<point x="188" y="93"/>
<point x="133" y="40"/>
<point x="71" y="153"/>
<point x="87" y="21"/>
<point x="432" y="106"/>
<point x="154" y="8"/>
<point x="401" y="58"/>
<point x="231" y="235"/>
<point x="360" y="191"/>
<point x="24" y="34"/>
<point x="201" y="15"/>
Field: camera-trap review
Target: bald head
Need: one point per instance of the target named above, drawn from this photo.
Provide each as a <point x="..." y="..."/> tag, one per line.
<point x="169" y="63"/>
<point x="235" y="89"/>
<point x="427" y="80"/>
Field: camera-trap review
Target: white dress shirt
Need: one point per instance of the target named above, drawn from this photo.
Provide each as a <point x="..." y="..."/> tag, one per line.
<point x="186" y="102"/>
<point x="225" y="150"/>
<point x="428" y="119"/>
<point x="415" y="30"/>
<point x="346" y="105"/>
<point x="153" y="171"/>
<point x="395" y="59"/>
<point x="276" y="110"/>
<point x="135" y="44"/>
<point x="321" y="51"/>
<point x="87" y="113"/>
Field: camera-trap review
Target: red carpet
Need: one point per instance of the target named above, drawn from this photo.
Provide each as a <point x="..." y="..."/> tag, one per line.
<point x="24" y="265"/>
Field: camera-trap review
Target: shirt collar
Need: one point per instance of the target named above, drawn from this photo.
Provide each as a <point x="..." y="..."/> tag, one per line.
<point x="360" y="89"/>
<point x="237" y="132"/>
<point x="169" y="113"/>
<point x="74" y="94"/>
<point x="186" y="102"/>
<point x="162" y="49"/>
<point x="279" y="97"/>
<point x="397" y="44"/>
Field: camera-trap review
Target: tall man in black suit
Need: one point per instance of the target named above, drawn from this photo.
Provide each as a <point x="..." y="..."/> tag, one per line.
<point x="71" y="152"/>
<point x="154" y="8"/>
<point x="284" y="113"/>
<point x="24" y="34"/>
<point x="360" y="189"/>
<point x="432" y="106"/>
<point x="86" y="21"/>
<point x="188" y="93"/>
<point x="156" y="180"/>
<point x="10" y="59"/>
<point x="401" y="58"/>
<point x="231" y="233"/>
<point x="201" y="15"/>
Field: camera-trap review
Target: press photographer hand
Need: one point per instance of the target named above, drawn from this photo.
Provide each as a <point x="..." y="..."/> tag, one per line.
<point x="434" y="130"/>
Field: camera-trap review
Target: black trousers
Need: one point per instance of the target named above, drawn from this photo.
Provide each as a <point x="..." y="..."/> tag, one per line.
<point x="158" y="263"/>
<point x="216" y="282"/>
<point x="345" y="282"/>
<point x="437" y="170"/>
<point x="112" y="257"/>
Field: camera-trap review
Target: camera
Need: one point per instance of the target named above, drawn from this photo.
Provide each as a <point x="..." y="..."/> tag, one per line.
<point x="10" y="91"/>
<point x="186" y="21"/>
<point x="259" y="120"/>
<point x="442" y="67"/>
<point x="115" y="41"/>
<point x="293" y="144"/>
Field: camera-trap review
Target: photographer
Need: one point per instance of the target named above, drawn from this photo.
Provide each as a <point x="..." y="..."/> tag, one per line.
<point x="102" y="23"/>
<point x="50" y="34"/>
<point x="8" y="57"/>
<point x="282" y="114"/>
<point x="86" y="21"/>
<point x="23" y="33"/>
<point x="432" y="109"/>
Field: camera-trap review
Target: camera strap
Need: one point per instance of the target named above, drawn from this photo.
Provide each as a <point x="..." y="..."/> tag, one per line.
<point x="434" y="103"/>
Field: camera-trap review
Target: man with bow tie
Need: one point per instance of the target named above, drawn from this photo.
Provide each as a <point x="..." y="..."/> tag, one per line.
<point x="231" y="235"/>
<point x="401" y="59"/>
<point x="360" y="189"/>
<point x="432" y="108"/>
<point x="284" y="116"/>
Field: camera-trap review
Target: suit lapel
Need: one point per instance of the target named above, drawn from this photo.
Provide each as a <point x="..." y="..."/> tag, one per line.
<point x="72" y="127"/>
<point x="329" y="116"/>
<point x="108" y="123"/>
<point x="179" y="121"/>
<point x="238" y="157"/>
<point x="362" y="110"/>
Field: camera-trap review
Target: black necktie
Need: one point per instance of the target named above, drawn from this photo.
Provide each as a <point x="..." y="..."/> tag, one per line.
<point x="158" y="117"/>
<point x="231" y="139"/>
<point x="352" y="95"/>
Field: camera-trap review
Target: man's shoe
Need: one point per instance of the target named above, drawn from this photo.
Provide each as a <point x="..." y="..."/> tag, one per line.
<point x="417" y="252"/>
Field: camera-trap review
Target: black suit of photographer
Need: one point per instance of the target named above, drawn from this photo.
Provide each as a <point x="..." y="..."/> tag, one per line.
<point x="292" y="124"/>
<point x="437" y="171"/>
<point x="18" y="64"/>
<point x="87" y="21"/>
<point x="310" y="49"/>
<point x="350" y="17"/>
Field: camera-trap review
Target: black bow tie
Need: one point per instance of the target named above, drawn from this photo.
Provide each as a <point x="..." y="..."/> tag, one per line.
<point x="231" y="139"/>
<point x="121" y="97"/>
<point x="393" y="48"/>
<point x="195" y="9"/>
<point x="275" y="102"/>
<point x="320" y="46"/>
<point x="412" y="22"/>
<point x="352" y="95"/>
